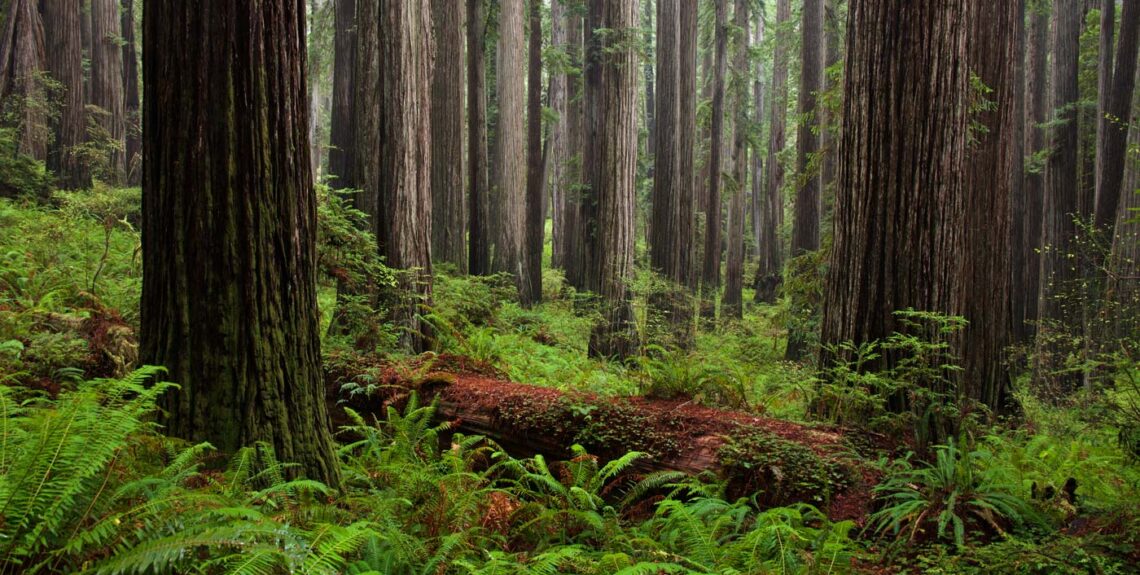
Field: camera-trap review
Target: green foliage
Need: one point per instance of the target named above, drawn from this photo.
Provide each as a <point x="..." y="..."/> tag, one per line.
<point x="20" y="175"/>
<point x="962" y="491"/>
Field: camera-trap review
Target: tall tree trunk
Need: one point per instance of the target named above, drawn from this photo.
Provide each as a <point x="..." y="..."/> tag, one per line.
<point x="342" y="136"/>
<point x="107" y="81"/>
<point x="756" y="202"/>
<point x="651" y="46"/>
<point x="316" y="138"/>
<point x="557" y="163"/>
<point x="449" y="235"/>
<point x="406" y="59"/>
<point x="1124" y="267"/>
<point x="65" y="63"/>
<point x="510" y="151"/>
<point x="769" y="273"/>
<point x="1060" y="273"/>
<point x="229" y="301"/>
<point x="1104" y="79"/>
<point x="577" y="194"/>
<point x="611" y="94"/>
<point x="710" y="264"/>
<point x="366" y="116"/>
<point x="479" y="249"/>
<point x="22" y="58"/>
<point x="828" y="123"/>
<point x="1115" y="126"/>
<point x="805" y="228"/>
<point x="733" y="303"/>
<point x="534" y="220"/>
<point x="132" y="158"/>
<point x="684" y="226"/>
<point x="805" y="232"/>
<point x="1027" y="258"/>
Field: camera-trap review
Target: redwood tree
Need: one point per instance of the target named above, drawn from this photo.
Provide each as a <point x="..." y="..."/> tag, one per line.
<point x="510" y="148"/>
<point x="132" y="152"/>
<point x="229" y="300"/>
<point x="771" y="260"/>
<point x="22" y="59"/>
<point x="448" y="230"/>
<point x="710" y="274"/>
<point x="805" y="229"/>
<point x="64" y="44"/>
<point x="1027" y="238"/>
<point x="732" y="303"/>
<point x="107" y="81"/>
<point x="478" y="206"/>
<point x="611" y="94"/>
<point x="534" y="218"/>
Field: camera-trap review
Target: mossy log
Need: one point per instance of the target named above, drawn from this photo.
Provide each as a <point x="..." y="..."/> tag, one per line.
<point x="779" y="462"/>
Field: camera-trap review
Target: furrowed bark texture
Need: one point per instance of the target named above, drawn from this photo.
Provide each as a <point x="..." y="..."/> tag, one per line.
<point x="132" y="158"/>
<point x="559" y="156"/>
<point x="710" y="275"/>
<point x="1114" y="141"/>
<point x="65" y="63"/>
<point x="229" y="236"/>
<point x="733" y="301"/>
<point x="478" y="200"/>
<point x="22" y="59"/>
<point x="805" y="228"/>
<point x="611" y="93"/>
<point x="510" y="150"/>
<point x="448" y="227"/>
<point x="1027" y="258"/>
<point x="574" y="253"/>
<point x="769" y="273"/>
<point x="534" y="218"/>
<point x="107" y="81"/>
<point x="342" y="136"/>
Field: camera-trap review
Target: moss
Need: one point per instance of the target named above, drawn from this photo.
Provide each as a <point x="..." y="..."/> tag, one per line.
<point x="780" y="471"/>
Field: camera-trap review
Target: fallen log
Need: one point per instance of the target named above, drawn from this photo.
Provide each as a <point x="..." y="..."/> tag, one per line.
<point x="778" y="462"/>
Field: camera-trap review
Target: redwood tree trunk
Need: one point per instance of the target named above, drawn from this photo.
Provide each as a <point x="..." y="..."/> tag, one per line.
<point x="229" y="235"/>
<point x="1115" y="127"/>
<point x="771" y="260"/>
<point x="1059" y="309"/>
<point x="132" y="158"/>
<point x="449" y="236"/>
<point x="732" y="304"/>
<point x="535" y="216"/>
<point x="611" y="93"/>
<point x="574" y="261"/>
<point x="1027" y="257"/>
<point x="342" y="136"/>
<point x="510" y="149"/>
<point x="22" y="58"/>
<point x="805" y="232"/>
<point x="710" y="275"/>
<point x="65" y="63"/>
<point x="478" y="207"/>
<point x="107" y="81"/>
<point x="559" y="157"/>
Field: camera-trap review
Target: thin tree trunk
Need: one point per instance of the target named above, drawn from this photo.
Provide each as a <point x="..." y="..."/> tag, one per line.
<point x="733" y="303"/>
<point x="758" y="202"/>
<point x="107" y="81"/>
<point x="449" y="235"/>
<point x="316" y="138"/>
<point x="557" y="168"/>
<point x="535" y="217"/>
<point x="342" y="136"/>
<point x="229" y="301"/>
<point x="133" y="104"/>
<point x="577" y="193"/>
<point x="770" y="271"/>
<point x="684" y="222"/>
<point x="611" y="93"/>
<point x="510" y="149"/>
<point x="710" y="276"/>
<point x="65" y="63"/>
<point x="479" y="254"/>
<point x="1060" y="274"/>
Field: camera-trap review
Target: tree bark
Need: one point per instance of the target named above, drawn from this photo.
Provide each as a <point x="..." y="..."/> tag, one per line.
<point x="1104" y="79"/>
<point x="316" y="80"/>
<point x="732" y="305"/>
<point x="1027" y="254"/>
<point x="510" y="151"/>
<point x="611" y="98"/>
<point x="557" y="168"/>
<point x="757" y="190"/>
<point x="534" y="220"/>
<point x="1115" y="125"/>
<point x="574" y="254"/>
<point x="132" y="158"/>
<point x="448" y="226"/>
<point x="22" y="58"/>
<point x="406" y="59"/>
<point x="479" y="249"/>
<point x="1059" y="309"/>
<point x="65" y="63"/>
<point x="805" y="232"/>
<point x="684" y="224"/>
<point x="710" y="263"/>
<point x="229" y="234"/>
<point x="342" y="135"/>
<point x="828" y="124"/>
<point x="769" y="273"/>
<point x="107" y="82"/>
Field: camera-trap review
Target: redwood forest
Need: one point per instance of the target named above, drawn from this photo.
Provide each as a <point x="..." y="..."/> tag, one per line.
<point x="538" y="287"/>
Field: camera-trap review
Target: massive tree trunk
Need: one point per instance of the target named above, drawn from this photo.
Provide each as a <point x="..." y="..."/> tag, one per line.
<point x="557" y="168"/>
<point x="710" y="263"/>
<point x="1115" y="126"/>
<point x="406" y="59"/>
<point x="132" y="158"/>
<point x="448" y="233"/>
<point x="510" y="149"/>
<point x="672" y="226"/>
<point x="611" y="98"/>
<point x="534" y="218"/>
<point x="366" y="114"/>
<point x="229" y="300"/>
<point x="107" y="82"/>
<point x="908" y="219"/>
<point x="770" y="270"/>
<point x="1059" y="307"/>
<point x="65" y="63"/>
<point x="478" y="204"/>
<point x="733" y="302"/>
<point x="22" y="58"/>
<point x="342" y="136"/>
<point x="1027" y="258"/>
